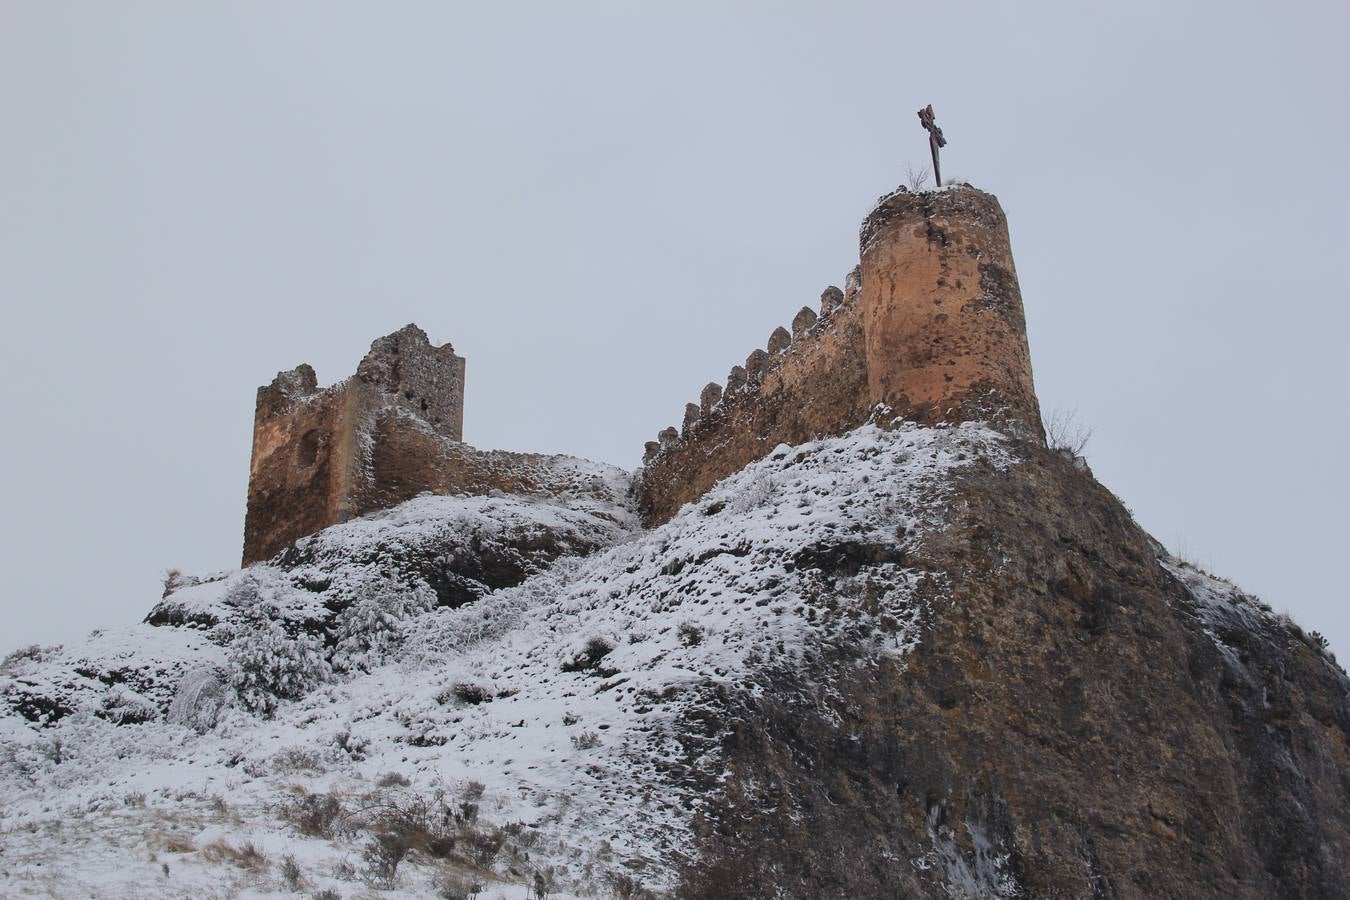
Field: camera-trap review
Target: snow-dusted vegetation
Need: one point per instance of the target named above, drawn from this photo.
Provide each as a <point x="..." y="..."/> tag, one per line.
<point x="334" y="721"/>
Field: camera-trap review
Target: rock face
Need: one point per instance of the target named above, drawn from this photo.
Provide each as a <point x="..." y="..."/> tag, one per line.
<point x="1083" y="717"/>
<point x="930" y="328"/>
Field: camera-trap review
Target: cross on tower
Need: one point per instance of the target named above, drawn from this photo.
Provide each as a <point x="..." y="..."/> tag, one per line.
<point x="935" y="139"/>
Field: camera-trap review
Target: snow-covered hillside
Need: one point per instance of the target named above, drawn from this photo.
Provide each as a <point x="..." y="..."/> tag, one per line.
<point x="281" y="727"/>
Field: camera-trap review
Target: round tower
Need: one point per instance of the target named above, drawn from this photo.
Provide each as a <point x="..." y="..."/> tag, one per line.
<point x="944" y="333"/>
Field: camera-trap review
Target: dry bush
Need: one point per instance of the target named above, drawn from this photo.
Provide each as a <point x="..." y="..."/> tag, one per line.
<point x="454" y="886"/>
<point x="465" y="694"/>
<point x="1065" y="434"/>
<point x="383" y="854"/>
<point x="172" y="843"/>
<point x="298" y="759"/>
<point x="690" y="634"/>
<point x="246" y="856"/>
<point x="586" y="740"/>
<point x="588" y="660"/>
<point x="291" y="874"/>
<point x="315" y="815"/>
<point x="916" y="180"/>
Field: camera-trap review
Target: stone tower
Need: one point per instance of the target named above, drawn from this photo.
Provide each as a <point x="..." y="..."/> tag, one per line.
<point x="314" y="450"/>
<point x="941" y="310"/>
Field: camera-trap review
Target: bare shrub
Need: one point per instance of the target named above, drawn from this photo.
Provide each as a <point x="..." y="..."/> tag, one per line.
<point x="343" y="870"/>
<point x="690" y="634"/>
<point x="465" y="693"/>
<point x="314" y="815"/>
<point x="291" y="874"/>
<point x="326" y="894"/>
<point x="392" y="779"/>
<point x="19" y="659"/>
<point x="626" y="886"/>
<point x="383" y="854"/>
<point x="1065" y="434"/>
<point x="916" y="180"/>
<point x="545" y="883"/>
<point x="354" y="745"/>
<point x="483" y="846"/>
<point x="586" y="740"/>
<point x="246" y="856"/>
<point x="297" y="759"/>
<point x="176" y="844"/>
<point x="473" y="790"/>
<point x="596" y="649"/>
<point x="452" y="886"/>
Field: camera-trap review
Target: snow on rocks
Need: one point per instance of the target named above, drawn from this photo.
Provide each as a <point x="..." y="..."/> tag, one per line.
<point x="583" y="704"/>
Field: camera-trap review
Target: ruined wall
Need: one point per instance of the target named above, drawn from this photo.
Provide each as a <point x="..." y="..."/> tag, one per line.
<point x="808" y="382"/>
<point x="409" y="459"/>
<point x="312" y="449"/>
<point x="930" y="326"/>
<point x="409" y="373"/>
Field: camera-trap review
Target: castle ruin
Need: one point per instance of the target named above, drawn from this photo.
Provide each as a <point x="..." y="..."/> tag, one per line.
<point x="929" y="328"/>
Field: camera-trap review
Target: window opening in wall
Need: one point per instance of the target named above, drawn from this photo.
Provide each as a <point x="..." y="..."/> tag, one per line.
<point x="309" y="448"/>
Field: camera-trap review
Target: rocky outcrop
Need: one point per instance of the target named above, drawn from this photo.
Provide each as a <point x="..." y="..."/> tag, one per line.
<point x="1082" y="717"/>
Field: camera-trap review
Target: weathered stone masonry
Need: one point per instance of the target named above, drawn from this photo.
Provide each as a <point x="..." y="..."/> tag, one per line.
<point x="385" y="435"/>
<point x="930" y="326"/>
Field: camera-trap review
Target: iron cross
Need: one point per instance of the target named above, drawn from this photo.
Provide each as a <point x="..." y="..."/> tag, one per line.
<point x="935" y="139"/>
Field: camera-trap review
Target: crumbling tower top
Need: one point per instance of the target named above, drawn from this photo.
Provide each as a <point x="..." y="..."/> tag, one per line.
<point x="315" y="452"/>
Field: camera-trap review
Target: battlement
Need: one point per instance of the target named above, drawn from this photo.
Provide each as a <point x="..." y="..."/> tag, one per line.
<point x="929" y="328"/>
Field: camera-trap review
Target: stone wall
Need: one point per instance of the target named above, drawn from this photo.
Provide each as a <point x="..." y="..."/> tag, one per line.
<point x="929" y="328"/>
<point x="808" y="382"/>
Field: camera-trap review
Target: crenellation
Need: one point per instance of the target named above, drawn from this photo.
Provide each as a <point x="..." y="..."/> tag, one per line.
<point x="668" y="436"/>
<point x="691" y="414"/>
<point x="736" y="379"/>
<point x="853" y="285"/>
<point x="803" y="322"/>
<point x="709" y="397"/>
<point x="830" y="300"/>
<point x="650" y="449"/>
<point x="779" y="341"/>
<point x="755" y="364"/>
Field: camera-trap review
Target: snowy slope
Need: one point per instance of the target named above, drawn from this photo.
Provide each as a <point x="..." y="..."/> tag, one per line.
<point x="578" y="711"/>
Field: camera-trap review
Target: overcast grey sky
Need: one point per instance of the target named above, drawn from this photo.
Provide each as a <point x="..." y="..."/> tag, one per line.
<point x="605" y="206"/>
